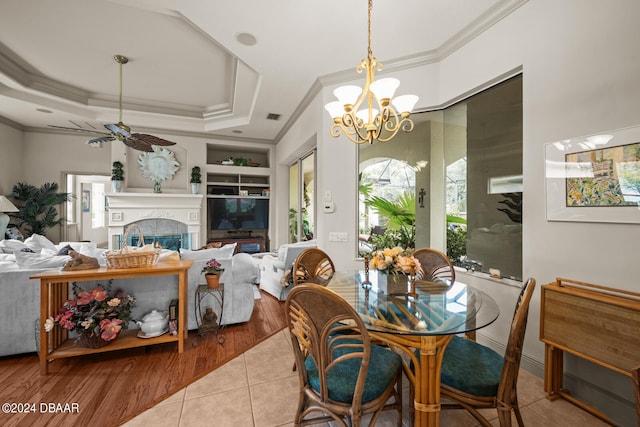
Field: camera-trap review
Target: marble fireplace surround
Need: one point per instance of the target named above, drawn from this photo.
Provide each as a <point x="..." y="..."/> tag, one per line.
<point x="127" y="208"/>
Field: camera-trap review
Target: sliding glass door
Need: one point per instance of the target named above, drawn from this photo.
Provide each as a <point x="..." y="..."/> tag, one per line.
<point x="302" y="205"/>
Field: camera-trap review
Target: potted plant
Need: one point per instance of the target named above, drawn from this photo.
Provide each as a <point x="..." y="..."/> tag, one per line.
<point x="196" y="180"/>
<point x="240" y="161"/>
<point x="97" y="315"/>
<point x="212" y="271"/>
<point x="37" y="211"/>
<point x="117" y="176"/>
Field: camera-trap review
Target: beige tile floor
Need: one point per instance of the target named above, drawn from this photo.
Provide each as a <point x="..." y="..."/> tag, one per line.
<point x="259" y="388"/>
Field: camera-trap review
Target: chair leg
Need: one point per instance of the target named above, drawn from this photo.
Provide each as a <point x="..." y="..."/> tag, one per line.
<point x="516" y="409"/>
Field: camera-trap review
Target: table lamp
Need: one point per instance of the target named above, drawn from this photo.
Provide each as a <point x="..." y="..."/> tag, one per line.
<point x="5" y="206"/>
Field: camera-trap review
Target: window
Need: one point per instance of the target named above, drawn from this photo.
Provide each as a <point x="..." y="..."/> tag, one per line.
<point x="467" y="161"/>
<point x="302" y="199"/>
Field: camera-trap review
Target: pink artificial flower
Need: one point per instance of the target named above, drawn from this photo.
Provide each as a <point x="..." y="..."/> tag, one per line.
<point x="99" y="294"/>
<point x="110" y="329"/>
<point x="84" y="298"/>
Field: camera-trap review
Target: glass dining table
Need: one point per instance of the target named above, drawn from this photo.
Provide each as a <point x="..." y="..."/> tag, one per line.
<point x="425" y="317"/>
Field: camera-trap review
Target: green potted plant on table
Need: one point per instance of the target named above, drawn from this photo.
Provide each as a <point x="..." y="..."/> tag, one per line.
<point x="117" y="176"/>
<point x="212" y="271"/>
<point x="196" y="180"/>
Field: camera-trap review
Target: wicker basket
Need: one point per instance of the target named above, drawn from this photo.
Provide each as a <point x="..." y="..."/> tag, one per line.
<point x="128" y="257"/>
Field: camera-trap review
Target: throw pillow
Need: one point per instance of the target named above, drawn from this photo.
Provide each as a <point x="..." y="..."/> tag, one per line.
<point x="28" y="260"/>
<point x="206" y="254"/>
<point x="11" y="246"/>
<point x="13" y="232"/>
<point x="37" y="243"/>
<point x="64" y="250"/>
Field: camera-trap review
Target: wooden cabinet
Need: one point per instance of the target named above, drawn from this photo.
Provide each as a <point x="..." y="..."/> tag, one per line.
<point x="594" y="322"/>
<point x="54" y="291"/>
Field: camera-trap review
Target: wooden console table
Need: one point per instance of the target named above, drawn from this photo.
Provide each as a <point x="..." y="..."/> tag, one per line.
<point x="596" y="323"/>
<point x="54" y="291"/>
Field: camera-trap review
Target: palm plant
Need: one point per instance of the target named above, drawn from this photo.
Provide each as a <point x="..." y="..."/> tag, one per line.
<point x="401" y="219"/>
<point x="37" y="206"/>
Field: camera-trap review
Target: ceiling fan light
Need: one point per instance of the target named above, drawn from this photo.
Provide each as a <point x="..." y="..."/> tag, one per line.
<point x="347" y="95"/>
<point x="404" y="103"/>
<point x="384" y="88"/>
<point x="335" y="109"/>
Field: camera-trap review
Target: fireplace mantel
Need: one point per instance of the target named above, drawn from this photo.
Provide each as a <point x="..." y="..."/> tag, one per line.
<point x="126" y="208"/>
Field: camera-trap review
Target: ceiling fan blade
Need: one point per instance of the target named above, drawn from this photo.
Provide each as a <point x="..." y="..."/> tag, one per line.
<point x="119" y="129"/>
<point x="100" y="140"/>
<point x="137" y="145"/>
<point x="97" y="132"/>
<point x="151" y="140"/>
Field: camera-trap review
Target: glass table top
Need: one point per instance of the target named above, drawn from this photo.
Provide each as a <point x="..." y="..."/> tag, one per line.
<point x="440" y="308"/>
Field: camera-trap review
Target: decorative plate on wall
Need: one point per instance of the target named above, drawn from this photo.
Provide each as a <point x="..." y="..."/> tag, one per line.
<point x="159" y="165"/>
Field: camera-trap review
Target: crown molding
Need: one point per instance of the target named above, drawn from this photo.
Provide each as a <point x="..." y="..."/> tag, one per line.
<point x="11" y="123"/>
<point x="476" y="27"/>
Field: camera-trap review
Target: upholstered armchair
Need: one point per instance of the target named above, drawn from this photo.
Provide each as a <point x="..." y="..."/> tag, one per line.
<point x="272" y="268"/>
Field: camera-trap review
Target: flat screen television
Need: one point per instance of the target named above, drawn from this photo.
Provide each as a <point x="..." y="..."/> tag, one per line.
<point x="238" y="213"/>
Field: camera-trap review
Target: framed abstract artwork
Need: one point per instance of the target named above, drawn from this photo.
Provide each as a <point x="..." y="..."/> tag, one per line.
<point x="86" y="200"/>
<point x="594" y="178"/>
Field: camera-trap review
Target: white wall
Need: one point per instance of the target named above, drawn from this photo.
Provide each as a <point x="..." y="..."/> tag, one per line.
<point x="11" y="159"/>
<point x="580" y="67"/>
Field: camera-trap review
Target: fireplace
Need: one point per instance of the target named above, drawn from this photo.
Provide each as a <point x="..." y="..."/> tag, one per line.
<point x="171" y="220"/>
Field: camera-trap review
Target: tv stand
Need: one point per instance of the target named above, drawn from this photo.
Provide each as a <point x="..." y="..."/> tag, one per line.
<point x="249" y="244"/>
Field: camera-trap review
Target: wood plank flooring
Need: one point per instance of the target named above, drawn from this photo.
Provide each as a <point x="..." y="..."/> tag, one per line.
<point x="108" y="389"/>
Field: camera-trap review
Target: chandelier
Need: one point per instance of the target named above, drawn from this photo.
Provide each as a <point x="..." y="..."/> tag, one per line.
<point x="381" y="123"/>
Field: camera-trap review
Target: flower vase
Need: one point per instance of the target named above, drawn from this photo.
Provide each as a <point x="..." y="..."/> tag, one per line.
<point x="89" y="340"/>
<point x="213" y="281"/>
<point x="390" y="283"/>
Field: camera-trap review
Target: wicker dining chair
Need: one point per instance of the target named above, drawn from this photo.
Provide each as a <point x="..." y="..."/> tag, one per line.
<point x="635" y="375"/>
<point x="313" y="265"/>
<point x="342" y="375"/>
<point x="435" y="265"/>
<point x="474" y="376"/>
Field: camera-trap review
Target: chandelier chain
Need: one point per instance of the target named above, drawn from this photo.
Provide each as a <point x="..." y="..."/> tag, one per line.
<point x="370" y="9"/>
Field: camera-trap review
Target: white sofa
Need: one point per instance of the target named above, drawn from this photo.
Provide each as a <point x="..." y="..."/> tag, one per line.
<point x="272" y="268"/>
<point x="20" y="295"/>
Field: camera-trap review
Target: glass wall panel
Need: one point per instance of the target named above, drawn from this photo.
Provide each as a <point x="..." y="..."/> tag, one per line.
<point x="452" y="167"/>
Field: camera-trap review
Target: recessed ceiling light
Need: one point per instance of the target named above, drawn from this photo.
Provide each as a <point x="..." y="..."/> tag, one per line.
<point x="246" y="39"/>
<point x="236" y="131"/>
<point x="44" y="110"/>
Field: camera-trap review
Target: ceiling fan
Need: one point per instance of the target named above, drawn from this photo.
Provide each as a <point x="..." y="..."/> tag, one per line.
<point x="119" y="131"/>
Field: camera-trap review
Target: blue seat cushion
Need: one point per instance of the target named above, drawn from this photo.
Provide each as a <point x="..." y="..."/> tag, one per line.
<point x="471" y="367"/>
<point x="384" y="365"/>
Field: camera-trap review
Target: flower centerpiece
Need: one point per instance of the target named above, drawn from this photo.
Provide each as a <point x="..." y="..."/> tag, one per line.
<point x="212" y="271"/>
<point x="393" y="265"/>
<point x="97" y="315"/>
<point x="395" y="260"/>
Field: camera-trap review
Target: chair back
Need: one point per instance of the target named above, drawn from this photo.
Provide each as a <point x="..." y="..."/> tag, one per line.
<point x="513" y="353"/>
<point x="313" y="265"/>
<point x="635" y="375"/>
<point x="324" y="326"/>
<point x="435" y="265"/>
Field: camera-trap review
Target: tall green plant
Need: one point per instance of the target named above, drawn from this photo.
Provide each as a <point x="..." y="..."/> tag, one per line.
<point x="37" y="207"/>
<point x="401" y="219"/>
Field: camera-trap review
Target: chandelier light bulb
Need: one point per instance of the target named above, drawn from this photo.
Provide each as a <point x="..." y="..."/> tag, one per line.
<point x="404" y="103"/>
<point x="364" y="115"/>
<point x="335" y="109"/>
<point x="384" y="88"/>
<point x="347" y="95"/>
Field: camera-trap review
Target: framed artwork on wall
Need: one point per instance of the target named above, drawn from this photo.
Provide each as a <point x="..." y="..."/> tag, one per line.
<point x="86" y="200"/>
<point x="594" y="178"/>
